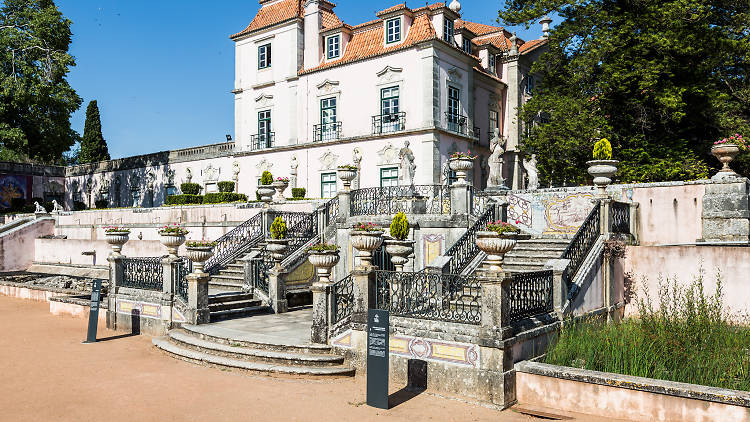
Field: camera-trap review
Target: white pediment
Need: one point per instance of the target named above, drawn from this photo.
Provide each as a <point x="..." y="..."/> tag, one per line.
<point x="264" y="165"/>
<point x="264" y="100"/>
<point x="389" y="74"/>
<point x="328" y="160"/>
<point x="455" y="74"/>
<point x="328" y="85"/>
<point x="388" y="155"/>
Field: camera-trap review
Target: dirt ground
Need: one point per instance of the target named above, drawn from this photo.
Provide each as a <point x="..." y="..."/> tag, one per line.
<point x="47" y="374"/>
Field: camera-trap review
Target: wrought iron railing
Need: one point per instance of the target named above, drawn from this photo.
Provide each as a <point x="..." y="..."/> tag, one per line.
<point x="180" y="271"/>
<point x="301" y="232"/>
<point x="457" y="123"/>
<point x="425" y="295"/>
<point x="382" y="259"/>
<point x="415" y="199"/>
<point x="620" y="217"/>
<point x="327" y="132"/>
<point x="465" y="249"/>
<point x="530" y="294"/>
<point x="260" y="267"/>
<point x="342" y="299"/>
<point x="236" y="242"/>
<point x="388" y="123"/>
<point x="479" y="201"/>
<point x="580" y="245"/>
<point x="330" y="211"/>
<point x="143" y="273"/>
<point x="258" y="142"/>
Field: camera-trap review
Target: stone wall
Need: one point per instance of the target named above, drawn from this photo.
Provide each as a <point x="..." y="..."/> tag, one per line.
<point x="17" y="246"/>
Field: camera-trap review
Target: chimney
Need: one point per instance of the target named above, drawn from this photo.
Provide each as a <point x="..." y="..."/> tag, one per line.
<point x="313" y="22"/>
<point x="545" y="26"/>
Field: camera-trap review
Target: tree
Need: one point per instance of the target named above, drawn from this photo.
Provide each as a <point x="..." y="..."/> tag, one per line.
<point x="93" y="145"/>
<point x="662" y="79"/>
<point x="36" y="100"/>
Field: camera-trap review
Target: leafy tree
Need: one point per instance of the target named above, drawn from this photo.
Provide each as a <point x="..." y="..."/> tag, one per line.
<point x="662" y="79"/>
<point x="36" y="100"/>
<point x="93" y="145"/>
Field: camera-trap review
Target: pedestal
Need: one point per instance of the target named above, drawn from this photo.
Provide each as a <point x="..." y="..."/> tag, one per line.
<point x="198" y="297"/>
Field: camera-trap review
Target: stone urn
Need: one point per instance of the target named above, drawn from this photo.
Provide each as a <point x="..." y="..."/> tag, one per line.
<point x="602" y="171"/>
<point x="277" y="248"/>
<point x="399" y="251"/>
<point x="347" y="175"/>
<point x="172" y="241"/>
<point x="280" y="186"/>
<point x="725" y="153"/>
<point x="266" y="193"/>
<point x="461" y="166"/>
<point x="117" y="240"/>
<point x="366" y="242"/>
<point x="323" y="261"/>
<point x="199" y="255"/>
<point x="495" y="246"/>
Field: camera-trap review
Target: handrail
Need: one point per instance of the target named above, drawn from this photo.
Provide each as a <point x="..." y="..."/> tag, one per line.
<point x="580" y="245"/>
<point x="465" y="249"/>
<point x="413" y="199"/>
<point x="235" y="242"/>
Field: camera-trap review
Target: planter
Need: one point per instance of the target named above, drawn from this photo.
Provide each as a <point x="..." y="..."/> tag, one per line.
<point x="117" y="240"/>
<point x="280" y="188"/>
<point x="346" y="176"/>
<point x="172" y="242"/>
<point x="266" y="193"/>
<point x="323" y="261"/>
<point x="725" y="154"/>
<point x="399" y="251"/>
<point x="278" y="248"/>
<point x="366" y="243"/>
<point x="602" y="171"/>
<point x="495" y="246"/>
<point x="461" y="166"/>
<point x="199" y="256"/>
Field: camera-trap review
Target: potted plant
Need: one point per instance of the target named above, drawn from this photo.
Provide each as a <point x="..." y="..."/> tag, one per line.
<point x="497" y="239"/>
<point x="278" y="242"/>
<point x="173" y="236"/>
<point x="117" y="237"/>
<point x="199" y="251"/>
<point x="280" y="184"/>
<point x="397" y="246"/>
<point x="366" y="237"/>
<point x="266" y="189"/>
<point x="726" y="149"/>
<point x="602" y="167"/>
<point x="347" y="173"/>
<point x="461" y="163"/>
<point x="323" y="257"/>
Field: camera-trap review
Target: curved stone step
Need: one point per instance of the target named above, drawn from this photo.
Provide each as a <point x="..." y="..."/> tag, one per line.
<point x="224" y="314"/>
<point x="229" y="297"/>
<point x="195" y="356"/>
<point x="198" y="332"/>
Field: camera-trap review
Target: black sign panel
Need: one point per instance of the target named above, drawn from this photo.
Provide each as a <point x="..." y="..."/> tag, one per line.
<point x="377" y="358"/>
<point x="96" y="290"/>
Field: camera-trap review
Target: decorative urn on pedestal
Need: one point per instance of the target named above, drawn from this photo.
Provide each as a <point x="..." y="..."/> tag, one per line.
<point x="461" y="163"/>
<point x="278" y="243"/>
<point x="366" y="238"/>
<point x="173" y="236"/>
<point x="323" y="257"/>
<point x="199" y="252"/>
<point x="496" y="240"/>
<point x="347" y="173"/>
<point x="725" y="150"/>
<point x="602" y="168"/>
<point x="266" y="189"/>
<point x="116" y="237"/>
<point x="397" y="246"/>
<point x="280" y="184"/>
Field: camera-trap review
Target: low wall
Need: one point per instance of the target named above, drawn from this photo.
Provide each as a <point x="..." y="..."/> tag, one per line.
<point x="626" y="397"/>
<point x="17" y="246"/>
<point x="71" y="251"/>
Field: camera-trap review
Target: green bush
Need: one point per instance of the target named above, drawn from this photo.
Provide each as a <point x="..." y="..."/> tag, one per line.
<point x="603" y="150"/>
<point x="217" y="198"/>
<point x="29" y="208"/>
<point x="226" y="186"/>
<point x="278" y="228"/>
<point x="183" y="199"/>
<point x="298" y="192"/>
<point x="101" y="203"/>
<point x="17" y="204"/>
<point x="79" y="206"/>
<point x="400" y="227"/>
<point x="190" y="188"/>
<point x="257" y="196"/>
<point x="266" y="178"/>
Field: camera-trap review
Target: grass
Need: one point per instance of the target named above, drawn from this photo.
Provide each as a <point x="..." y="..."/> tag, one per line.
<point x="689" y="337"/>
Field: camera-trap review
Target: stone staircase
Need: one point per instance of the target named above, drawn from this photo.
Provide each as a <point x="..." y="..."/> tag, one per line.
<point x="533" y="254"/>
<point x="229" y="305"/>
<point x="230" y="278"/>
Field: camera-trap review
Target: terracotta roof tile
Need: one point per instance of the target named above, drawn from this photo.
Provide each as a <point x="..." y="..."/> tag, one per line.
<point x="330" y="20"/>
<point x="272" y="14"/>
<point x="477" y="28"/>
<point x="392" y="9"/>
<point x="532" y="45"/>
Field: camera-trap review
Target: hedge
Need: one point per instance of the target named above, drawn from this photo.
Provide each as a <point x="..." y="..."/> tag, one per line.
<point x="298" y="192"/>
<point x="226" y="186"/>
<point x="190" y="188"/>
<point x="101" y="203"/>
<point x="217" y="198"/>
<point x="79" y="206"/>
<point x="183" y="199"/>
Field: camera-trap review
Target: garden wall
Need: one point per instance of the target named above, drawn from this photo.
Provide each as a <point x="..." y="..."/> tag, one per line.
<point x="17" y="245"/>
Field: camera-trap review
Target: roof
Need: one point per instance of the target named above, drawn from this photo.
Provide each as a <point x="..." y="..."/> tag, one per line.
<point x="273" y="14"/>
<point x="477" y="28"/>
<point x="532" y="45"/>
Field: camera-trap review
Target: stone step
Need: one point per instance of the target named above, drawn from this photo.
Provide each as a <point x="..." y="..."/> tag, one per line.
<point x="311" y="348"/>
<point x="229" y="297"/>
<point x="182" y="339"/>
<point x="526" y="260"/>
<point x="237" y="266"/>
<point x="516" y="268"/>
<point x="244" y="312"/>
<point x="234" y="278"/>
<point x="230" y="273"/>
<point x="538" y="248"/>
<point x="240" y="304"/>
<point x="226" y="286"/>
<point x="195" y="356"/>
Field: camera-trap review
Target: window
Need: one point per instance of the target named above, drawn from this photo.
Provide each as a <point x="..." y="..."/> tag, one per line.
<point x="264" y="130"/>
<point x="448" y="31"/>
<point x="455" y="121"/>
<point x="529" y="84"/>
<point x="492" y="63"/>
<point x="499" y="68"/>
<point x="494" y="122"/>
<point x="467" y="45"/>
<point x="389" y="100"/>
<point x="328" y="124"/>
<point x="264" y="56"/>
<point x="334" y="47"/>
<point x="388" y="177"/>
<point x="328" y="185"/>
<point x="393" y="30"/>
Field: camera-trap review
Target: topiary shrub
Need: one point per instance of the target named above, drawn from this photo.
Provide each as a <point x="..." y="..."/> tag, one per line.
<point x="79" y="206"/>
<point x="400" y="227"/>
<point x="266" y="178"/>
<point x="603" y="150"/>
<point x="101" y="203"/>
<point x="226" y="186"/>
<point x="220" y="197"/>
<point x="278" y="228"/>
<point x="190" y="188"/>
<point x="298" y="193"/>
<point x="183" y="199"/>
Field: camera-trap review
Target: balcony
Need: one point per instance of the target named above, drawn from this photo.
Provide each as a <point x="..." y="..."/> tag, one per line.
<point x="265" y="141"/>
<point x="388" y="123"/>
<point x="457" y="123"/>
<point x="327" y="132"/>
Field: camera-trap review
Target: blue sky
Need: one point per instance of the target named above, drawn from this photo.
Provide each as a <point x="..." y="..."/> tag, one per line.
<point x="161" y="71"/>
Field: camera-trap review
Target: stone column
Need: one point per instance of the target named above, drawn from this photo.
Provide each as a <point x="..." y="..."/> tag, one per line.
<point x="321" y="318"/>
<point x="344" y="204"/>
<point x="635" y="223"/>
<point x="363" y="291"/>
<point x="169" y="284"/>
<point x="726" y="211"/>
<point x="605" y="220"/>
<point x="116" y="274"/>
<point x="559" y="286"/>
<point x="198" y="297"/>
<point x="460" y="200"/>
<point x="277" y="290"/>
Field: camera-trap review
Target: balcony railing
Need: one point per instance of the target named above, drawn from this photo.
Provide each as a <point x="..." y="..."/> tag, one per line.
<point x="457" y="123"/>
<point x="327" y="132"/>
<point x="388" y="123"/>
<point x="258" y="142"/>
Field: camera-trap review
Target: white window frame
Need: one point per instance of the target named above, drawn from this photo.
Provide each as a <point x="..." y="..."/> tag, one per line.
<point x="449" y="30"/>
<point x="325" y="181"/>
<point x="264" y="56"/>
<point x="337" y="38"/>
<point x="396" y="33"/>
<point x="492" y="62"/>
<point x="467" y="45"/>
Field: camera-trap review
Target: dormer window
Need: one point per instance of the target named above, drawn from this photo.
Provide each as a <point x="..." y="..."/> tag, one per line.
<point x="392" y="30"/>
<point x="467" y="45"/>
<point x="492" y="63"/>
<point x="264" y="56"/>
<point x="333" y="47"/>
<point x="448" y="31"/>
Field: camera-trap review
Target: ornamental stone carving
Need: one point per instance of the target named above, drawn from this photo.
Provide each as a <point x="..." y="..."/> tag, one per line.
<point x="188" y="175"/>
<point x="495" y="162"/>
<point x="357" y="160"/>
<point x="328" y="160"/>
<point x="293" y="164"/>
<point x="407" y="169"/>
<point x="263" y="165"/>
<point x="532" y="174"/>
<point x="388" y="155"/>
<point x="211" y="173"/>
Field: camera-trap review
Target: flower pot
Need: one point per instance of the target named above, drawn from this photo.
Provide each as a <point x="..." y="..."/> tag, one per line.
<point x="278" y="248"/>
<point x="199" y="255"/>
<point x="346" y="176"/>
<point x="725" y="153"/>
<point x="399" y="251"/>
<point x="495" y="246"/>
<point x="172" y="242"/>
<point x="117" y="240"/>
<point x="366" y="242"/>
<point x="266" y="193"/>
<point x="602" y="171"/>
<point x="280" y="187"/>
<point x="323" y="261"/>
<point x="461" y="166"/>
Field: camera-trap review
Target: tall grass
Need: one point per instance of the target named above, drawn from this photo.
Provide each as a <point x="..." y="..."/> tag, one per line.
<point x="689" y="337"/>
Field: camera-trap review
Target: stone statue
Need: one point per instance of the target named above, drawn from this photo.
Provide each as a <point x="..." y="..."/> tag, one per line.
<point x="445" y="174"/>
<point x="406" y="169"/>
<point x="532" y="173"/>
<point x="293" y="164"/>
<point x="495" y="162"/>
<point x="150" y="180"/>
<point x="170" y="177"/>
<point x="39" y="209"/>
<point x="188" y="175"/>
<point x="56" y="207"/>
<point x="357" y="159"/>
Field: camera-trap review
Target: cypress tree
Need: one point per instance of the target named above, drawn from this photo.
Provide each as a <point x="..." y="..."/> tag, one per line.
<point x="93" y="146"/>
